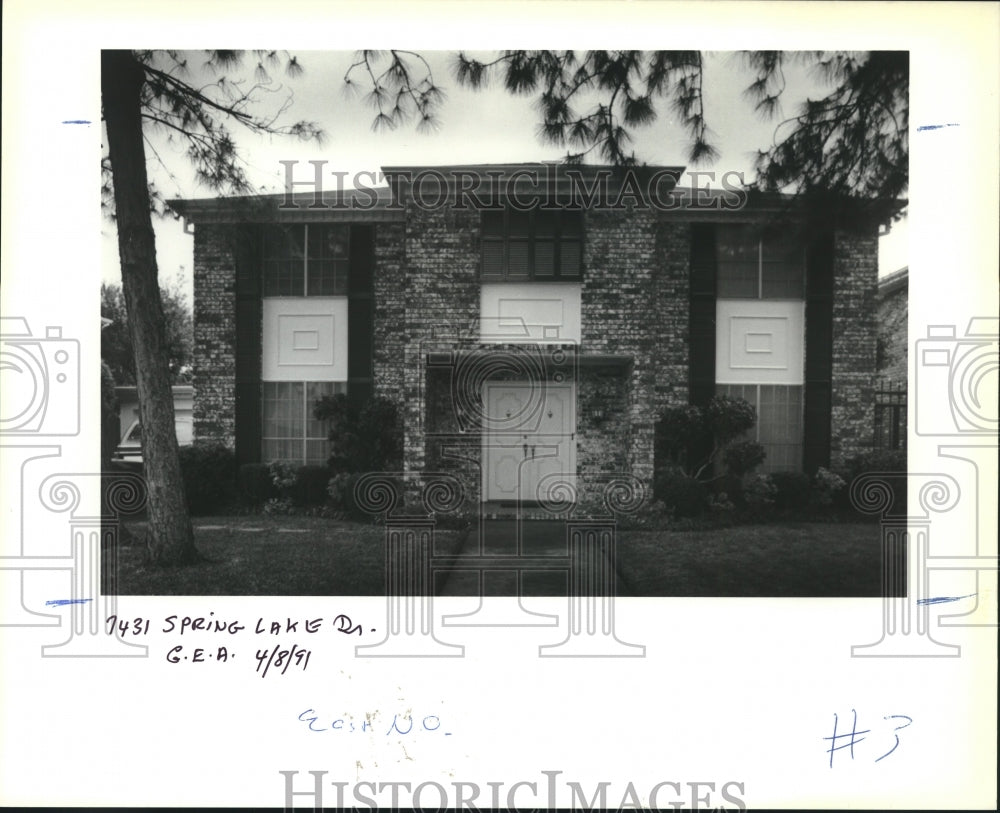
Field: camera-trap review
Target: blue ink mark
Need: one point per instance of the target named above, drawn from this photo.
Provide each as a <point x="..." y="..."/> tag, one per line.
<point x="854" y="738"/>
<point x="943" y="599"/>
<point x="76" y="121"/>
<point x="897" y="728"/>
<point x="59" y="602"/>
<point x="923" y="127"/>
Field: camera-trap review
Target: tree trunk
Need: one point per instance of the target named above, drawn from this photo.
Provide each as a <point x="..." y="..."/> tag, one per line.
<point x="170" y="539"/>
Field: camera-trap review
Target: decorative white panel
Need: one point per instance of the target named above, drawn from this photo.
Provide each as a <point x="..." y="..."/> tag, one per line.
<point x="536" y="312"/>
<point x="759" y="341"/>
<point x="305" y="339"/>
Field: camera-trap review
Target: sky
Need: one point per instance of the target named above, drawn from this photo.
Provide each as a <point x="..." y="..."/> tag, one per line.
<point x="487" y="126"/>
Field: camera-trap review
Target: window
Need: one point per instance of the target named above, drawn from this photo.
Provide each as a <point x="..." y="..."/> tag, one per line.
<point x="779" y="422"/>
<point x="760" y="345"/>
<point x="756" y="264"/>
<point x="289" y="432"/>
<point x="538" y="244"/>
<point x="306" y="260"/>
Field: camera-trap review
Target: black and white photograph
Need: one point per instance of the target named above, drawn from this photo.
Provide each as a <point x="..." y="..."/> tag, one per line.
<point x="654" y="312"/>
<point x="355" y="374"/>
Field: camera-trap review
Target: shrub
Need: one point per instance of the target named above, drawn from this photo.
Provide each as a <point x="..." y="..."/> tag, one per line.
<point x="279" y="507"/>
<point x="759" y="491"/>
<point x="686" y="496"/>
<point x="364" y="437"/>
<point x="791" y="489"/>
<point x="826" y="486"/>
<point x="727" y="418"/>
<point x="719" y="503"/>
<point x="743" y="457"/>
<point x="254" y="484"/>
<point x="283" y="476"/>
<point x="676" y="430"/>
<point x="310" y="485"/>
<point x="209" y="473"/>
<point x="682" y="430"/>
<point x="888" y="462"/>
<point x="340" y="491"/>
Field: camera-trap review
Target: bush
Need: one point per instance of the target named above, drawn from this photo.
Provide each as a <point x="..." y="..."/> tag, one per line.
<point x="727" y="418"/>
<point x="685" y="434"/>
<point x="209" y="473"/>
<point x="684" y="495"/>
<point x="826" y="486"/>
<point x="254" y="484"/>
<point x="279" y="507"/>
<point x="310" y="485"/>
<point x="743" y="457"/>
<point x="678" y="428"/>
<point x="759" y="492"/>
<point x="791" y="489"/>
<point x="888" y="462"/>
<point x="283" y="477"/>
<point x="364" y="438"/>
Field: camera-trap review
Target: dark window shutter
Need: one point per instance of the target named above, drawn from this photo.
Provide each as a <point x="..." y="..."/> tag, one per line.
<point x="701" y="326"/>
<point x="819" y="352"/>
<point x="701" y="321"/>
<point x="362" y="254"/>
<point x="360" y="314"/>
<point x="248" y="254"/>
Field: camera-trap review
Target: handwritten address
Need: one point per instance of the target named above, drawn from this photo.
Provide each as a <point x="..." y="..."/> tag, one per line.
<point x="275" y="658"/>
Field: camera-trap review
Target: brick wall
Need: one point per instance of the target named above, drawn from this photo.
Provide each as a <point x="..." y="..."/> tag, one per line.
<point x="214" y="335"/>
<point x="892" y="335"/>
<point x="390" y="310"/>
<point x="635" y="304"/>
<point x="441" y="301"/>
<point x="855" y="268"/>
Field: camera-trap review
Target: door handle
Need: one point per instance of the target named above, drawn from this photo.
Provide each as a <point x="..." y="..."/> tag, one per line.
<point x="532" y="452"/>
<point x="525" y="449"/>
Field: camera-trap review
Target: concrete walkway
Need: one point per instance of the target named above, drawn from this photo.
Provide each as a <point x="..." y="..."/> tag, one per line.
<point x="479" y="568"/>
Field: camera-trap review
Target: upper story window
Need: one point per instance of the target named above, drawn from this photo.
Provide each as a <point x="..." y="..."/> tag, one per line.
<point x="534" y="245"/>
<point x="759" y="265"/>
<point x="308" y="259"/>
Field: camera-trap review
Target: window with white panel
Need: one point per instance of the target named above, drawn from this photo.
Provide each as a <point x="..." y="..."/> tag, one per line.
<point x="760" y="335"/>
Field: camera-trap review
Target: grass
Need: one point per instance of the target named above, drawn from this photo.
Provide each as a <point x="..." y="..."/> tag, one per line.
<point x="284" y="556"/>
<point x="783" y="559"/>
<point x="292" y="556"/>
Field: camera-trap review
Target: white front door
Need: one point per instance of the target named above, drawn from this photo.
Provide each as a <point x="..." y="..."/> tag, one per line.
<point x="529" y="439"/>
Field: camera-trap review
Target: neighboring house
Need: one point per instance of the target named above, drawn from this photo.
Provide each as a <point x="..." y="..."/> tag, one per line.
<point x="891" y="357"/>
<point x="458" y="313"/>
<point x="892" y="312"/>
<point x="130" y="433"/>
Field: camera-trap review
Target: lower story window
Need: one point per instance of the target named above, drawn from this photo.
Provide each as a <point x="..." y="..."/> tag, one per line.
<point x="289" y="432"/>
<point x="779" y="426"/>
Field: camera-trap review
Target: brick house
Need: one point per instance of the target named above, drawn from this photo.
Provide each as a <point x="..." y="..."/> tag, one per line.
<point x="891" y="311"/>
<point x="530" y="321"/>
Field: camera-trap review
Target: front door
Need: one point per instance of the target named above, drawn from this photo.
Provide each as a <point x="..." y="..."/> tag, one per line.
<point x="529" y="439"/>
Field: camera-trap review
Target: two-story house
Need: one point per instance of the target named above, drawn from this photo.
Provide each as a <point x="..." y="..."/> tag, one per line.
<point x="531" y="322"/>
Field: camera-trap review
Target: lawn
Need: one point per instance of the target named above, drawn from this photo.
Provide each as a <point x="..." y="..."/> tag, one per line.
<point x="269" y="556"/>
<point x="290" y="556"/>
<point x="782" y="559"/>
